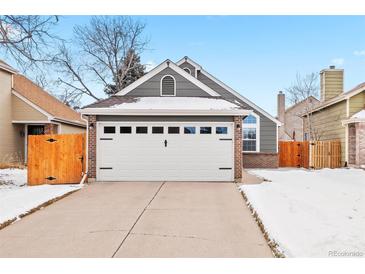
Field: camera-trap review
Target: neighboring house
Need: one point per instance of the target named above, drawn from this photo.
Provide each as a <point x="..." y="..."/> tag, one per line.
<point x="340" y="116"/>
<point x="291" y="118"/>
<point x="178" y="123"/>
<point x="26" y="109"/>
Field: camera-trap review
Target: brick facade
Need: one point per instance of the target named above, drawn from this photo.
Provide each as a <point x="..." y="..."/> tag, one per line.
<point x="237" y="147"/>
<point x="50" y="129"/>
<point x="360" y="144"/>
<point x="260" y="160"/>
<point x="92" y="148"/>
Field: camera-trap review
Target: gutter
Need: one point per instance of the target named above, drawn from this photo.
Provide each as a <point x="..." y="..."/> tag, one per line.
<point x="86" y="152"/>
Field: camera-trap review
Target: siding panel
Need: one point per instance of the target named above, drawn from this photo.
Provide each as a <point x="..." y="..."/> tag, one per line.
<point x="267" y="127"/>
<point x="184" y="88"/>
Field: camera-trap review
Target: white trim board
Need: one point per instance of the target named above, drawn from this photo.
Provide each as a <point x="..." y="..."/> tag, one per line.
<point x="235" y="93"/>
<point x="161" y="67"/>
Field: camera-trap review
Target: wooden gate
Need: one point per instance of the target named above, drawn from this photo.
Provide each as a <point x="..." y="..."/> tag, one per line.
<point x="56" y="158"/>
<point x="293" y="154"/>
<point x="326" y="154"/>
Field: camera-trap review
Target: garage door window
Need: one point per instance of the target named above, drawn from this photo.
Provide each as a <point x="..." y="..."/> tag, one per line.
<point x="189" y="130"/>
<point x="141" y="130"/>
<point x="206" y="130"/>
<point x="109" y="130"/>
<point x="174" y="130"/>
<point x="221" y="130"/>
<point x="125" y="130"/>
<point x="157" y="130"/>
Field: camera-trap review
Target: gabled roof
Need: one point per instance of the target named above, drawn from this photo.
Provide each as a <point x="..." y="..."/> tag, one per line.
<point x="129" y="105"/>
<point x="344" y="96"/>
<point x="302" y="101"/>
<point x="231" y="90"/>
<point x="177" y="69"/>
<point x="6" y="67"/>
<point x="34" y="95"/>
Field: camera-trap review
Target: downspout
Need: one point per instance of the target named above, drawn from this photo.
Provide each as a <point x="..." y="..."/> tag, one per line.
<point x="86" y="151"/>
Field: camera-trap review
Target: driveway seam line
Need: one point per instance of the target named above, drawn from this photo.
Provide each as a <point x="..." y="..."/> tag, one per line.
<point x="138" y="218"/>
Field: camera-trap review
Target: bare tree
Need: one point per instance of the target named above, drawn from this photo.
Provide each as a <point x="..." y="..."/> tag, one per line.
<point x="303" y="90"/>
<point x="101" y="56"/>
<point x="27" y="38"/>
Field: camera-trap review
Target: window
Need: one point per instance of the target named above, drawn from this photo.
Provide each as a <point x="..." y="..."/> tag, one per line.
<point x="141" y="130"/>
<point x="173" y="130"/>
<point x="251" y="133"/>
<point x="187" y="70"/>
<point x="205" y="130"/>
<point x="109" y="130"/>
<point x="250" y="119"/>
<point x="189" y="130"/>
<point x="221" y="130"/>
<point x="168" y="86"/>
<point x="125" y="130"/>
<point x="157" y="130"/>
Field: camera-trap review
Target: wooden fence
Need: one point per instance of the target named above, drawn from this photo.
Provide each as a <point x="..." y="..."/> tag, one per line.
<point x="318" y="154"/>
<point x="293" y="154"/>
<point x="326" y="154"/>
<point x="56" y="158"/>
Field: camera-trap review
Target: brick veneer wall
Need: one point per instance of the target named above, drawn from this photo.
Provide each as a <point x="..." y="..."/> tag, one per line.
<point x="92" y="148"/>
<point x="237" y="147"/>
<point x="260" y="160"/>
<point x="50" y="129"/>
<point x="360" y="144"/>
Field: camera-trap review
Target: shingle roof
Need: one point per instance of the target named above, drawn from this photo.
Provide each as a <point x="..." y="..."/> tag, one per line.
<point x="44" y="100"/>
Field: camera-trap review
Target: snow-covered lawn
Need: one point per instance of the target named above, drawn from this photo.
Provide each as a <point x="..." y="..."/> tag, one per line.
<point x="16" y="198"/>
<point x="312" y="213"/>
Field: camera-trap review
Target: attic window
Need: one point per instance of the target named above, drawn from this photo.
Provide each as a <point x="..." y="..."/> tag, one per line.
<point x="168" y="86"/>
<point x="187" y="70"/>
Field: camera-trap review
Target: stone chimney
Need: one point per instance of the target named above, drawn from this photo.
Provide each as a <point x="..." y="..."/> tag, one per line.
<point x="331" y="83"/>
<point x="281" y="112"/>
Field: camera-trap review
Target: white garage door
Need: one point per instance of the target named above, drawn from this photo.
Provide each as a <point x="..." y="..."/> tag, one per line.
<point x="165" y="151"/>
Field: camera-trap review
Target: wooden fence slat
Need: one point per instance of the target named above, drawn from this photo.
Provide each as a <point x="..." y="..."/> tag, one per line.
<point x="326" y="154"/>
<point x="61" y="160"/>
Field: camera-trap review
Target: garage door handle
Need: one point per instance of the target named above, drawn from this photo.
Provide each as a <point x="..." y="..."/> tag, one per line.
<point x="165" y="143"/>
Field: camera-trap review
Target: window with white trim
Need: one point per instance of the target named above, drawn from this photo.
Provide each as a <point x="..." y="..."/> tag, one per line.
<point x="168" y="86"/>
<point x="251" y="133"/>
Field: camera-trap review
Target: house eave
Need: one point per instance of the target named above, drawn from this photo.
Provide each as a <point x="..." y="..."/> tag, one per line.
<point x="354" y="120"/>
<point x="164" y="112"/>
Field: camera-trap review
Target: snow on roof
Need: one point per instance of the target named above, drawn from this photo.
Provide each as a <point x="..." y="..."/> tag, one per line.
<point x="359" y="115"/>
<point x="178" y="103"/>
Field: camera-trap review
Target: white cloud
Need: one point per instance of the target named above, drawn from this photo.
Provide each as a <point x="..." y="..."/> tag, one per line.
<point x="150" y="65"/>
<point x="359" y="52"/>
<point x="338" y="61"/>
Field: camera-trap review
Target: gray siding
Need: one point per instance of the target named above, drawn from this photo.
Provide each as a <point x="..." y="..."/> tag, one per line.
<point x="115" y="118"/>
<point x="267" y="127"/>
<point x="184" y="88"/>
<point x="188" y="65"/>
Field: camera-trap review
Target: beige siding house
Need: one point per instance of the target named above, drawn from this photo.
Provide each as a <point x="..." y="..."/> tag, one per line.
<point x="26" y="109"/>
<point x="339" y="116"/>
<point x="291" y="118"/>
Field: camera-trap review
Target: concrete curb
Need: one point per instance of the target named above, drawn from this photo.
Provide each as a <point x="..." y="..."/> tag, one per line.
<point x="271" y="242"/>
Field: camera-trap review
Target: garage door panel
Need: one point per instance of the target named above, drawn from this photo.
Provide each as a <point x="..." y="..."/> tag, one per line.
<point x="186" y="157"/>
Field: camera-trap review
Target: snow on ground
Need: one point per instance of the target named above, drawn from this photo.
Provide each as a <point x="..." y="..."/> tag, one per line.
<point x="311" y="213"/>
<point x="16" y="198"/>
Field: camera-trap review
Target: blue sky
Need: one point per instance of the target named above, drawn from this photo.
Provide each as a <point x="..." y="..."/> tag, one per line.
<point x="255" y="55"/>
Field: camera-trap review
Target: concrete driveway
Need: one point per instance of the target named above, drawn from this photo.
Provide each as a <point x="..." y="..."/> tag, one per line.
<point x="140" y="219"/>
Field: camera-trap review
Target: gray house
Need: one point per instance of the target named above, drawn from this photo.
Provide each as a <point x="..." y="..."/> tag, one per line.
<point x="178" y="123"/>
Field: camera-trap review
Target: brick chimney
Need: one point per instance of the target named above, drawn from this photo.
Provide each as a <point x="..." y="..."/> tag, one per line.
<point x="331" y="83"/>
<point x="281" y="112"/>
